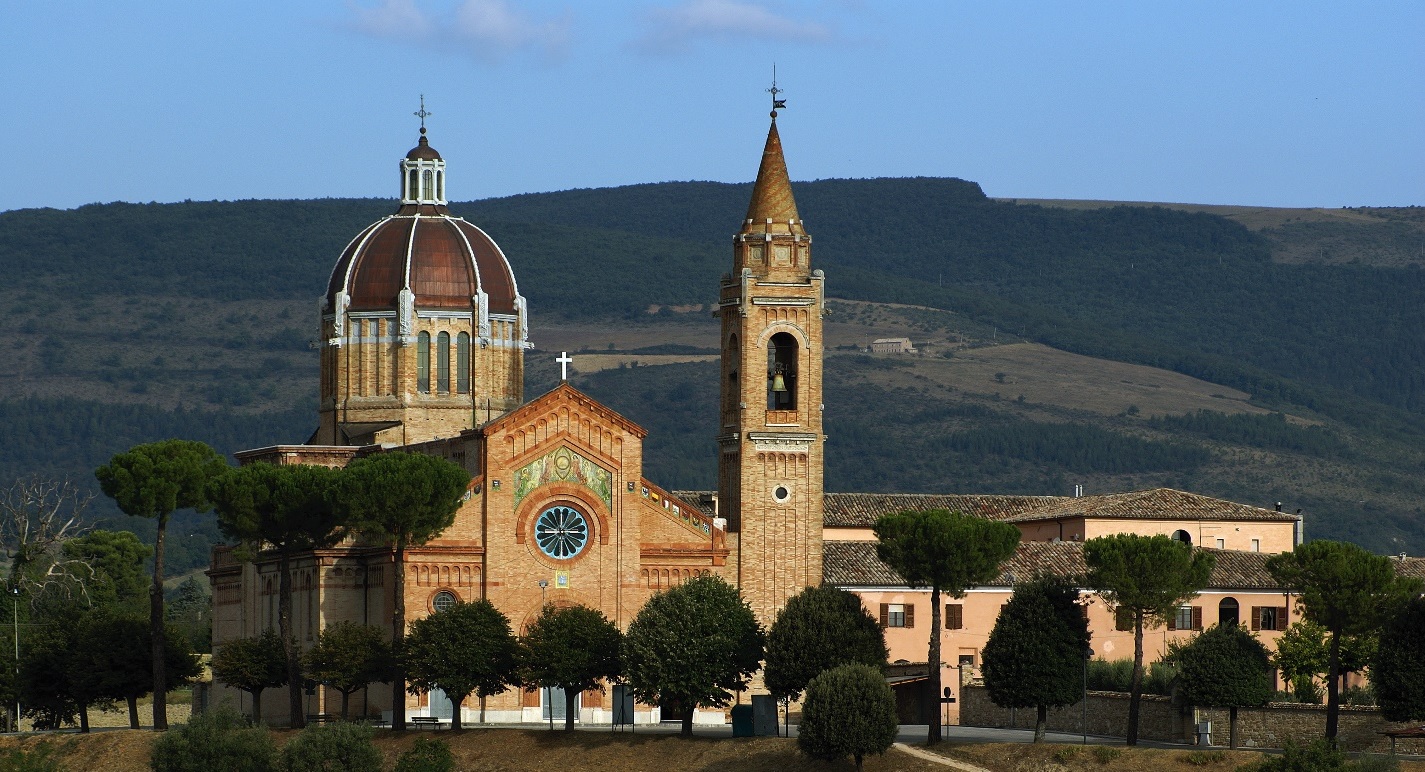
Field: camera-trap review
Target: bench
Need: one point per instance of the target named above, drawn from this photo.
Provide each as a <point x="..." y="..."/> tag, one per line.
<point x="430" y="721"/>
<point x="320" y="718"/>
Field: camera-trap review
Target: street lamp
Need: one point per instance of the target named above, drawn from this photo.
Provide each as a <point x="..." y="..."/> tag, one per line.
<point x="548" y="693"/>
<point x="1084" y="706"/>
<point x="15" y="591"/>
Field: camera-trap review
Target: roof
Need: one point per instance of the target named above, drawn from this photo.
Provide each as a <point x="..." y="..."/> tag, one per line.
<point x="855" y="564"/>
<point x="849" y="510"/>
<point x="772" y="209"/>
<point x="445" y="261"/>
<point x="423" y="151"/>
<point x="1153" y="504"/>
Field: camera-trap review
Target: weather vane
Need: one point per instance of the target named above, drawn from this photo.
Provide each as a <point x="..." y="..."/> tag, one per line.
<point x="423" y="113"/>
<point x="777" y="104"/>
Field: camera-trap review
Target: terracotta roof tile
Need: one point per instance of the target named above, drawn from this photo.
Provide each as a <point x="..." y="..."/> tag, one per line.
<point x="1154" y="504"/>
<point x="848" y="510"/>
<point x="854" y="563"/>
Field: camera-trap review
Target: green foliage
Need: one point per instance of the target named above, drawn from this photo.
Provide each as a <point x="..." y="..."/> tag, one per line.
<point x="339" y="747"/>
<point x="155" y="479"/>
<point x="1066" y="754"/>
<point x="252" y="665"/>
<point x="465" y="649"/>
<point x="40" y="758"/>
<point x="1223" y="667"/>
<point x="286" y="508"/>
<point x="575" y="648"/>
<point x="947" y="551"/>
<point x="1117" y="676"/>
<point x="1346" y="590"/>
<point x="190" y="611"/>
<point x="118" y="648"/>
<point x="1319" y="756"/>
<point x="347" y="657"/>
<point x="819" y="629"/>
<point x="116" y="559"/>
<point x="426" y="755"/>
<point x="1398" y="671"/>
<point x="1077" y="448"/>
<point x="1147" y="576"/>
<point x="693" y="645"/>
<point x="1035" y="653"/>
<point x="849" y="711"/>
<point x="1270" y="431"/>
<point x="400" y="498"/>
<point x="1203" y="758"/>
<point x="1104" y="754"/>
<point x="216" y="741"/>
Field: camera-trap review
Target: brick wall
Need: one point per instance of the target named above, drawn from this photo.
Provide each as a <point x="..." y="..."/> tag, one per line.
<point x="1158" y="719"/>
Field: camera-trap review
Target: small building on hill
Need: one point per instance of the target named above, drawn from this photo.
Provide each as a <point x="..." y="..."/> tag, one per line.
<point x="893" y="346"/>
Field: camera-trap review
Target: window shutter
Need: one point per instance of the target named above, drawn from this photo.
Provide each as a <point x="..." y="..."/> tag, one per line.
<point x="910" y="615"/>
<point x="1122" y="619"/>
<point x="1173" y="620"/>
<point x="1281" y="618"/>
<point x="1197" y="617"/>
<point x="1256" y="617"/>
<point x="886" y="615"/>
<point x="954" y="616"/>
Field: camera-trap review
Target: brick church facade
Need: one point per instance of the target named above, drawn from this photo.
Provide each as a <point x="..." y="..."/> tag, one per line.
<point x="423" y="334"/>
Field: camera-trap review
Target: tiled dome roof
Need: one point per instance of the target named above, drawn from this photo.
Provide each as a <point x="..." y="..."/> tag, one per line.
<point x="444" y="260"/>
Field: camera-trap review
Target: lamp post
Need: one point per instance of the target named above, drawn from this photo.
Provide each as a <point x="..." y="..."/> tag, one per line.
<point x="15" y="591"/>
<point x="548" y="693"/>
<point x="1084" y="706"/>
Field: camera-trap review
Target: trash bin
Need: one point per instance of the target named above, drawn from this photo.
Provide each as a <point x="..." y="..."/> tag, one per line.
<point x="1204" y="733"/>
<point x="741" y="720"/>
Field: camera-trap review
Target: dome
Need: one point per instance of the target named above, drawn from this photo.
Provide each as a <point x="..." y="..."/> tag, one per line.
<point x="445" y="262"/>
<point x="423" y="151"/>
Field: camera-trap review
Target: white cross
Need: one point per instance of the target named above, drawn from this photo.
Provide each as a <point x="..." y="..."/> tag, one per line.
<point x="564" y="361"/>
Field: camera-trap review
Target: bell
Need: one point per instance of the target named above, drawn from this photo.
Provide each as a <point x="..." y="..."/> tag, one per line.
<point x="778" y="382"/>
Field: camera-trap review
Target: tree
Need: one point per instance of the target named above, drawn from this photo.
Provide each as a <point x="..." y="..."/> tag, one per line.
<point x="252" y="665"/>
<point x="118" y="646"/>
<point x="948" y="551"/>
<point x="347" y="657"/>
<point x="1304" y="654"/>
<point x="849" y="711"/>
<point x="37" y="518"/>
<point x="1037" y="649"/>
<point x="1398" y="670"/>
<point x="466" y="648"/>
<point x="692" y="645"/>
<point x="1145" y="578"/>
<point x="190" y="610"/>
<point x="155" y="480"/>
<point x="575" y="648"/>
<point x="1224" y="667"/>
<point x="114" y="561"/>
<point x="819" y="629"/>
<point x="286" y="509"/>
<point x="1346" y="590"/>
<point x="401" y="499"/>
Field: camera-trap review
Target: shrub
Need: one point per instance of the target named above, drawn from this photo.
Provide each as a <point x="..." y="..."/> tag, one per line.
<point x="849" y="711"/>
<point x="1067" y="753"/>
<point x="219" y="741"/>
<point x="1320" y="756"/>
<point x="337" y="747"/>
<point x="37" y="759"/>
<point x="1204" y="758"/>
<point x="426" y="755"/>
<point x="1104" y="753"/>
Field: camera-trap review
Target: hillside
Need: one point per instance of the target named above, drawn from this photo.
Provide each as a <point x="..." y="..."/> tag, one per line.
<point x="1067" y="342"/>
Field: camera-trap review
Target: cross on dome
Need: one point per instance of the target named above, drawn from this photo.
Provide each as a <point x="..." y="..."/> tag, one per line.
<point x="564" y="361"/>
<point x="423" y="113"/>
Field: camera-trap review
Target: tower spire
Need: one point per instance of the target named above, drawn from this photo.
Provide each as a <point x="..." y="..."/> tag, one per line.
<point x="773" y="209"/>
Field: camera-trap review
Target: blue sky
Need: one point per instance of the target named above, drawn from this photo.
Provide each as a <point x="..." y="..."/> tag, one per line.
<point x="1274" y="104"/>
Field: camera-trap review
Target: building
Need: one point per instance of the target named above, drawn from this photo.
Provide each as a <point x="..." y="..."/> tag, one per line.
<point x="893" y="346"/>
<point x="423" y="336"/>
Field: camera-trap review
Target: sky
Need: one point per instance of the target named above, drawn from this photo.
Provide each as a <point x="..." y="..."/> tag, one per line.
<point x="1219" y="102"/>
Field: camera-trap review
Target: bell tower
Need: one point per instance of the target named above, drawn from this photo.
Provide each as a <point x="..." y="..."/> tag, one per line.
<point x="770" y="435"/>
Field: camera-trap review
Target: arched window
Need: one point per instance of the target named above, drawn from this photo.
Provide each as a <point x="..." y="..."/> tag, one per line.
<point x="423" y="363"/>
<point x="462" y="363"/>
<point x="427" y="185"/>
<point x="1227" y="612"/>
<point x="411" y="185"/>
<point x="443" y="600"/>
<point x="782" y="372"/>
<point x="442" y="363"/>
<point x="732" y="392"/>
<point x="1182" y="536"/>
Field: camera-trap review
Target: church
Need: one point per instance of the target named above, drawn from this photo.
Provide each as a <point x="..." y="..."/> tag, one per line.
<point x="423" y="334"/>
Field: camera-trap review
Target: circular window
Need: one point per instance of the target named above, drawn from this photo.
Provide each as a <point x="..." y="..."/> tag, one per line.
<point x="781" y="493"/>
<point x="444" y="600"/>
<point x="561" y="532"/>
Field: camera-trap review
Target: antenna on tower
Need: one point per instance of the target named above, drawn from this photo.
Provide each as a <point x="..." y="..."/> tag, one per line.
<point x="423" y="113"/>
<point x="777" y="104"/>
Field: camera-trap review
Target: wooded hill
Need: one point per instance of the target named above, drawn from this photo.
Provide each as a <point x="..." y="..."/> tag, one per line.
<point x="141" y="321"/>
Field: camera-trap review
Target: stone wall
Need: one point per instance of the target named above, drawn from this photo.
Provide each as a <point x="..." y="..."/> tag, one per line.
<point x="1272" y="726"/>
<point x="1158" y="719"/>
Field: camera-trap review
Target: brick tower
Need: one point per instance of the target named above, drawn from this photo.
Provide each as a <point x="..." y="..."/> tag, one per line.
<point x="769" y="435"/>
